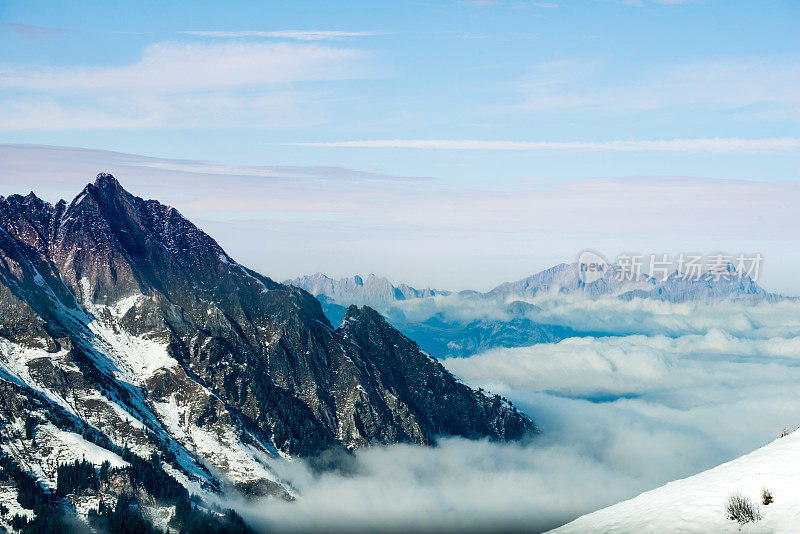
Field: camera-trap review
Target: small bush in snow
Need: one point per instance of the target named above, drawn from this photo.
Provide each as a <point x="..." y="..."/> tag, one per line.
<point x="766" y="496"/>
<point x="741" y="509"/>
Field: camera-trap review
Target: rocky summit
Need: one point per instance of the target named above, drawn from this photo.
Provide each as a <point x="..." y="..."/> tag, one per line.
<point x="140" y="362"/>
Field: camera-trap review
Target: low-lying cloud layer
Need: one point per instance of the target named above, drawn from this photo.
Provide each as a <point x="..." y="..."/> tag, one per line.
<point x="459" y="486"/>
<point x="683" y="388"/>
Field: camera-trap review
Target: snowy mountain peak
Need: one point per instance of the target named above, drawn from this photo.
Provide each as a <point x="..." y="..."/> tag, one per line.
<point x="129" y="323"/>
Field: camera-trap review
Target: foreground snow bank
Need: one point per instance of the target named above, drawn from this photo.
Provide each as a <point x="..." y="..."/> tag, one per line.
<point x="697" y="503"/>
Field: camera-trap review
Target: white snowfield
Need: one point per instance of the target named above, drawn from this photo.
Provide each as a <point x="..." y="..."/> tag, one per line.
<point x="697" y="503"/>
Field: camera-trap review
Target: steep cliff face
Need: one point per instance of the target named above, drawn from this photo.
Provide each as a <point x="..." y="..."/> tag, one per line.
<point x="443" y="404"/>
<point x="136" y="324"/>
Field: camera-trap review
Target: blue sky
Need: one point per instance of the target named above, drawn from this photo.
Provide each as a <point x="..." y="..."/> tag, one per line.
<point x="474" y="95"/>
<point x="590" y="71"/>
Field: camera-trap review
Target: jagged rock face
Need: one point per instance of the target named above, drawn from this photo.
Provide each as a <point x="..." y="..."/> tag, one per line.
<point x="160" y="330"/>
<point x="447" y="406"/>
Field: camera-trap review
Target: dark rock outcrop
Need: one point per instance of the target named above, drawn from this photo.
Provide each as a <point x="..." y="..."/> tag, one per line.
<point x="263" y="350"/>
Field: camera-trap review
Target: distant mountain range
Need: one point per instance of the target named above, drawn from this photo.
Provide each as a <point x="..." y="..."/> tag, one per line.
<point x="562" y="279"/>
<point x="371" y="290"/>
<point x="443" y="336"/>
<point x="141" y="366"/>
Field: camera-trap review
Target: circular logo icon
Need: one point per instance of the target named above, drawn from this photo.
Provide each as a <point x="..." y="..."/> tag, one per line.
<point x="592" y="266"/>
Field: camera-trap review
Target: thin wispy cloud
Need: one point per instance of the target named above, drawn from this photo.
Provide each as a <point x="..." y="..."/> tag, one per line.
<point x="171" y="67"/>
<point x="182" y="85"/>
<point x="733" y="144"/>
<point x="77" y="162"/>
<point x="33" y="33"/>
<point x="743" y="85"/>
<point x="299" y="35"/>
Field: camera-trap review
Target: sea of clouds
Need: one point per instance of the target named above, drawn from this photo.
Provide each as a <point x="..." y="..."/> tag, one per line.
<point x="673" y="389"/>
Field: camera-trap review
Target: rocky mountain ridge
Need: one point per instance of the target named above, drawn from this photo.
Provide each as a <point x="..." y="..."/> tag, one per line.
<point x="151" y="342"/>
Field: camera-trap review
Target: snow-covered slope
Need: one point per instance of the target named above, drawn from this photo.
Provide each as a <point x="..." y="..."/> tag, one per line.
<point x="697" y="504"/>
